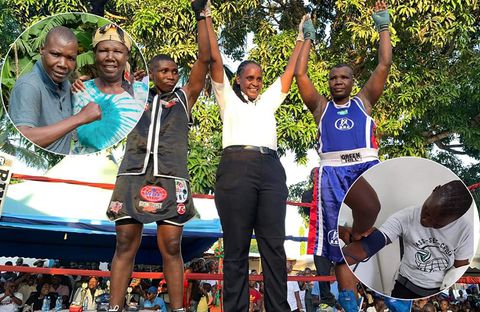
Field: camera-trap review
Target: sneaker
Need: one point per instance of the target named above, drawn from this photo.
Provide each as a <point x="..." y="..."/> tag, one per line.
<point x="114" y="309"/>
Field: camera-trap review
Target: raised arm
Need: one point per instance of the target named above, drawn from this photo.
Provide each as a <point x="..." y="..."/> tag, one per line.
<point x="373" y="89"/>
<point x="216" y="62"/>
<point x="315" y="102"/>
<point x="287" y="76"/>
<point x="196" y="81"/>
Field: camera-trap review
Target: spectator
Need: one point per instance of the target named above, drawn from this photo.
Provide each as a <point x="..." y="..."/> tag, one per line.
<point x="445" y="306"/>
<point x="302" y="286"/>
<point x="10" y="300"/>
<point x="90" y="293"/>
<point x="8" y="275"/>
<point x="293" y="292"/>
<point x="152" y="301"/>
<point x="19" y="261"/>
<point x="26" y="285"/>
<point x="36" y="299"/>
<point x="256" y="298"/>
<point x="206" y="297"/>
<point x="60" y="289"/>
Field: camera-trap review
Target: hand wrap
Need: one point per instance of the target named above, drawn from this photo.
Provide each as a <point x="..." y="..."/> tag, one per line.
<point x="381" y="20"/>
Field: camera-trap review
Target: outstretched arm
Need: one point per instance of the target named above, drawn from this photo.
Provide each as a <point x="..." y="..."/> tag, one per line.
<point x="46" y="135"/>
<point x="198" y="75"/>
<point x="315" y="102"/>
<point x="365" y="247"/>
<point x="373" y="89"/>
<point x="287" y="76"/>
<point x="216" y="62"/>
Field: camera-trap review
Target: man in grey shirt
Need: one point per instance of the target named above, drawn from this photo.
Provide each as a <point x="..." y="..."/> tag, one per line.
<point x="40" y="103"/>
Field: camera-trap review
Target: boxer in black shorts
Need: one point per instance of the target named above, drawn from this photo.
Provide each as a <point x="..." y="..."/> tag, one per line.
<point x="152" y="183"/>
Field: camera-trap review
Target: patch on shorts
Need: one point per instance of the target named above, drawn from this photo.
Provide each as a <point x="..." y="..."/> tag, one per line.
<point x="115" y="206"/>
<point x="152" y="193"/>
<point x="149" y="207"/>
<point x="181" y="191"/>
<point x="181" y="209"/>
<point x="333" y="237"/>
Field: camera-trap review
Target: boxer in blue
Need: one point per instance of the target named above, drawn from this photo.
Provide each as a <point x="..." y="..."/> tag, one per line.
<point x="347" y="144"/>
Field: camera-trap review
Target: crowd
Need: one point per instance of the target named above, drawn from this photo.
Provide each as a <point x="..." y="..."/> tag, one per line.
<point x="31" y="292"/>
<point x="465" y="298"/>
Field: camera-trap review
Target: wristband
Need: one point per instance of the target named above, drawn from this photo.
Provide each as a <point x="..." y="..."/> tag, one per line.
<point x="381" y="20"/>
<point x="300" y="37"/>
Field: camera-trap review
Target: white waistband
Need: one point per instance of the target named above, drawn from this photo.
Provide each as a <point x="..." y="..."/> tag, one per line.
<point x="350" y="157"/>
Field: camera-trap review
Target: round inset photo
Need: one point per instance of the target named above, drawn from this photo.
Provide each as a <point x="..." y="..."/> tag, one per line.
<point x="68" y="84"/>
<point x="409" y="228"/>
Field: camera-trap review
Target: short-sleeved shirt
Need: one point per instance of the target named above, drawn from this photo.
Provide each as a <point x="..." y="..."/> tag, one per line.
<point x="251" y="123"/>
<point x="7" y="304"/>
<point x="156" y="302"/>
<point x="37" y="101"/>
<point x="292" y="288"/>
<point x="429" y="252"/>
<point x="120" y="114"/>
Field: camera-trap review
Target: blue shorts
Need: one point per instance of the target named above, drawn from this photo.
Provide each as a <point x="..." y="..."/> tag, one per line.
<point x="332" y="185"/>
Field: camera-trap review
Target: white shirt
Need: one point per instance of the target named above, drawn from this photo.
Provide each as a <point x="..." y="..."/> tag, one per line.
<point x="429" y="252"/>
<point x="251" y="123"/>
<point x="92" y="305"/>
<point x="7" y="304"/>
<point x="292" y="288"/>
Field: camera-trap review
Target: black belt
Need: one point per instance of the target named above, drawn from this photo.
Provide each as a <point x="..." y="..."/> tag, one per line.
<point x="423" y="292"/>
<point x="262" y="149"/>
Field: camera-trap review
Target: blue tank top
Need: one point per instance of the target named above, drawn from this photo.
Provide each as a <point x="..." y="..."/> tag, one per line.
<point x="346" y="127"/>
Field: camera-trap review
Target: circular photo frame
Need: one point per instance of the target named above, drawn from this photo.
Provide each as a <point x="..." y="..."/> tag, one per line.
<point x="69" y="84"/>
<point x="425" y="228"/>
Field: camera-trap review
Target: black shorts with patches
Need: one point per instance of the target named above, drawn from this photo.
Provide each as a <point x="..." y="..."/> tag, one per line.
<point x="147" y="199"/>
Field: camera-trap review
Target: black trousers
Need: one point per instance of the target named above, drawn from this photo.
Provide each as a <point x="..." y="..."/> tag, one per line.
<point x="323" y="266"/>
<point x="402" y="291"/>
<point x="251" y="194"/>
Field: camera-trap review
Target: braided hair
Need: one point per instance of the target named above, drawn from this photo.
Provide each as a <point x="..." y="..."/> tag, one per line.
<point x="236" y="86"/>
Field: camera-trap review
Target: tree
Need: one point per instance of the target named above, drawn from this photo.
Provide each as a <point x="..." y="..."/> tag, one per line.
<point x="432" y="95"/>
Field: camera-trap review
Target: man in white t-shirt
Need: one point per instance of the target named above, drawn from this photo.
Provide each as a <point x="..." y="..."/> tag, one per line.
<point x="10" y="300"/>
<point x="437" y="238"/>
<point x="293" y="292"/>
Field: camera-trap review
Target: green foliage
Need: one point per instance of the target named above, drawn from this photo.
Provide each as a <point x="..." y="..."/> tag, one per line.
<point x="432" y="96"/>
<point x="7" y="22"/>
<point x="295" y="192"/>
<point x="205" y="143"/>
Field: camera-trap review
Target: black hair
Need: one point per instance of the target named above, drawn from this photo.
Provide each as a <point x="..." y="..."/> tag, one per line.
<point x="456" y="198"/>
<point x="62" y="32"/>
<point x="236" y="86"/>
<point x="342" y="65"/>
<point x="157" y="58"/>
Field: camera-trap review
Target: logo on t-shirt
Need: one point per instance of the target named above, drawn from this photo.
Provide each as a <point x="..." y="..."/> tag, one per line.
<point x="344" y="124"/>
<point x="432" y="255"/>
